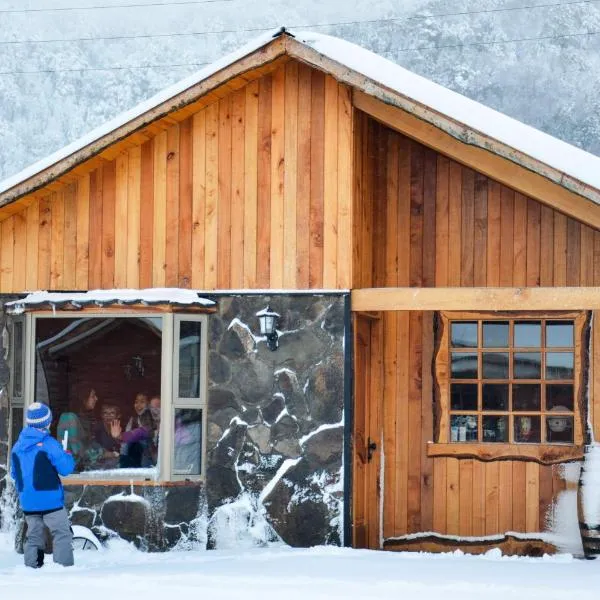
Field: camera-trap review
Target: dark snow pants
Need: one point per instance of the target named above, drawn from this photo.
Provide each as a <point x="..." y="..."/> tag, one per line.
<point x="62" y="538"/>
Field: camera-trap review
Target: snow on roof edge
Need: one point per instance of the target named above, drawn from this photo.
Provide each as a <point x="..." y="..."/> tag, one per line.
<point x="178" y="296"/>
<point x="557" y="154"/>
<point x="545" y="148"/>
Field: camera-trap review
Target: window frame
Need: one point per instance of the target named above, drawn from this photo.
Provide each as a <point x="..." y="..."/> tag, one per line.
<point x="169" y="367"/>
<point x="544" y="452"/>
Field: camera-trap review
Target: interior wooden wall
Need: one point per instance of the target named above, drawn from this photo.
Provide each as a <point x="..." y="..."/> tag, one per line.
<point x="253" y="191"/>
<point x="425" y="220"/>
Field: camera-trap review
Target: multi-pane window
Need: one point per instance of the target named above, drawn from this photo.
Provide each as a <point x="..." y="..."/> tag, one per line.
<point x="512" y="380"/>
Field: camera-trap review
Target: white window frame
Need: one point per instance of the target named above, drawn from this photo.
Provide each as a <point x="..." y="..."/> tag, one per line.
<point x="168" y="383"/>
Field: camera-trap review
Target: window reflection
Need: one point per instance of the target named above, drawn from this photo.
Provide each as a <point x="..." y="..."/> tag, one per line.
<point x="463" y="335"/>
<point x="464" y="365"/>
<point x="559" y="365"/>
<point x="189" y="359"/>
<point x="528" y="334"/>
<point x="559" y="397"/>
<point x="527" y="397"/>
<point x="527" y="429"/>
<point x="188" y="441"/>
<point x="495" y="334"/>
<point x="559" y="334"/>
<point x="527" y="365"/>
<point x="495" y="428"/>
<point x="495" y="365"/>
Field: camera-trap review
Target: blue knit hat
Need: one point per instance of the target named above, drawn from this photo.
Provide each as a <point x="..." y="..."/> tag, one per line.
<point x="39" y="416"/>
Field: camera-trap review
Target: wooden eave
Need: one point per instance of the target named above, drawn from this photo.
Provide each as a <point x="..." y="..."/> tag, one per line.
<point x="417" y="121"/>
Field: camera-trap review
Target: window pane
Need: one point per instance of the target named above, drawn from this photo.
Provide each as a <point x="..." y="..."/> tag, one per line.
<point x="527" y="365"/>
<point x="559" y="334"/>
<point x="527" y="396"/>
<point x="495" y="365"/>
<point x="464" y="365"/>
<point x="98" y="376"/>
<point x="495" y="396"/>
<point x="495" y="334"/>
<point x="527" y="430"/>
<point x="559" y="429"/>
<point x="463" y="428"/>
<point x="559" y="365"/>
<point x="495" y="428"/>
<point x="464" y="335"/>
<point x="188" y="441"/>
<point x="528" y="334"/>
<point x="463" y="396"/>
<point x="559" y="397"/>
<point x="18" y="359"/>
<point x="189" y="359"/>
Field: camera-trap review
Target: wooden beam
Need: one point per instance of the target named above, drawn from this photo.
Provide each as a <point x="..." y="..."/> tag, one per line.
<point x="485" y="161"/>
<point x="448" y="298"/>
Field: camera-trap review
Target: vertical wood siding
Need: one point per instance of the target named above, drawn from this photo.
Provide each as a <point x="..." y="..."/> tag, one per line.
<point x="422" y="219"/>
<point x="253" y="191"/>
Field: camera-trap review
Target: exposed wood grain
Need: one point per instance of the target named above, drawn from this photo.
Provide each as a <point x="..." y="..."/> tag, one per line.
<point x="32" y="215"/>
<point x="70" y="250"/>
<point x="263" y="253"/>
<point x="146" y="214"/>
<point x="481" y="230"/>
<point x="467" y="228"/>
<point x="211" y="215"/>
<point x="344" y="188"/>
<point x="238" y="126"/>
<point x="251" y="150"/>
<point x="317" y="179"/>
<point x="7" y="244"/>
<point x="108" y="225"/>
<point x="159" y="234"/>
<point x="198" y="198"/>
<point x="278" y="168"/>
<point x="95" y="230"/>
<point x="225" y="199"/>
<point x="134" y="176"/>
<point x="121" y="243"/>
<point x="290" y="194"/>
<point x="330" y="192"/>
<point x="494" y="210"/>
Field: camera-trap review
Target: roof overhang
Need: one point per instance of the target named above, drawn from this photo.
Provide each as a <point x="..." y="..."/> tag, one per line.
<point x="153" y="299"/>
<point x="474" y="148"/>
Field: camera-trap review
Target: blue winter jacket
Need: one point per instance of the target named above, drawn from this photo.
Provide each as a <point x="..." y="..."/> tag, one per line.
<point x="37" y="461"/>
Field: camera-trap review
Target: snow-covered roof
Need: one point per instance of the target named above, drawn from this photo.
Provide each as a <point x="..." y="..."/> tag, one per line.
<point x="103" y="298"/>
<point x="563" y="157"/>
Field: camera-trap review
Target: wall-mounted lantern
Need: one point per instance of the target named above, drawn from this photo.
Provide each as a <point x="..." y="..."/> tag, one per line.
<point x="268" y="327"/>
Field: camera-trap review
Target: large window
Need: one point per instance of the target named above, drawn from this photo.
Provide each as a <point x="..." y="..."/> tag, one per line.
<point x="510" y="379"/>
<point x="128" y="392"/>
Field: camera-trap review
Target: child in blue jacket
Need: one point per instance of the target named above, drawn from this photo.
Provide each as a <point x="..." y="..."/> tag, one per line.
<point x="37" y="460"/>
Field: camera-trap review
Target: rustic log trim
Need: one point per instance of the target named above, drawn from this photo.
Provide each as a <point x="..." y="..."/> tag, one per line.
<point x="509" y="545"/>
<point x="544" y="454"/>
<point x="476" y="299"/>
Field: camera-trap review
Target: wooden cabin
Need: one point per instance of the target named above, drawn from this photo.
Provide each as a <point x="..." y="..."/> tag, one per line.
<point x="435" y="267"/>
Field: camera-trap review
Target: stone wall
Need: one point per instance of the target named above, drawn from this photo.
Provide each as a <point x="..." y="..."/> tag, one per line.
<point x="275" y="439"/>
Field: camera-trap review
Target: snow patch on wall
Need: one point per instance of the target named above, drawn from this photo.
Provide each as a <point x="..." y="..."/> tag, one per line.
<point x="563" y="525"/>
<point x="590" y="486"/>
<point x="241" y="524"/>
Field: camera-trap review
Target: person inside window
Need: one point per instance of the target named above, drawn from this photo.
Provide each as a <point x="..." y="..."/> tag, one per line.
<point x="79" y="428"/>
<point x="109" y="458"/>
<point x="138" y="437"/>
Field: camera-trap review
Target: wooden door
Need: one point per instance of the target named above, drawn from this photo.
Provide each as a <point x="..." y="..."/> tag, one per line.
<point x="367" y="433"/>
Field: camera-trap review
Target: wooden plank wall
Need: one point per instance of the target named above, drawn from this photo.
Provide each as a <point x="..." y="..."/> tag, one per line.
<point x="425" y="220"/>
<point x="252" y="191"/>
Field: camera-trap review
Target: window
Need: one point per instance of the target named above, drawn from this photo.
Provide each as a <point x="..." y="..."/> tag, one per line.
<point x="509" y="379"/>
<point x="126" y="390"/>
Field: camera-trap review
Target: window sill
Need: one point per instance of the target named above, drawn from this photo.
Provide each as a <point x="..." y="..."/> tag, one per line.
<point x="545" y="454"/>
<point x="74" y="481"/>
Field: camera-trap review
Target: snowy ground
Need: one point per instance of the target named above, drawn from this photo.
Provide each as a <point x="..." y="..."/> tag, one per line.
<point x="294" y="574"/>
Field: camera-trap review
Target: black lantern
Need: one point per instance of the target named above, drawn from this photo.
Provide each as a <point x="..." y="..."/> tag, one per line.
<point x="268" y="327"/>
